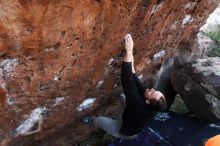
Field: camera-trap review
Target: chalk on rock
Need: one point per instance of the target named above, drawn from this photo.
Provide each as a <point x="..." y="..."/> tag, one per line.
<point x="187" y="19"/>
<point x="111" y="61"/>
<point x="159" y="55"/>
<point x="122" y="95"/>
<point x="99" y="85"/>
<point x="50" y="49"/>
<point x="8" y="66"/>
<point x="174" y="25"/>
<point x="58" y="100"/>
<point x="154" y="9"/>
<point x="86" y="104"/>
<point x="141" y="77"/>
<point x="11" y="101"/>
<point x="34" y="118"/>
<point x="56" y="78"/>
<point x="190" y="5"/>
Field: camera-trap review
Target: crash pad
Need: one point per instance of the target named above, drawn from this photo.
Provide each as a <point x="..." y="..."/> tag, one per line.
<point x="165" y="129"/>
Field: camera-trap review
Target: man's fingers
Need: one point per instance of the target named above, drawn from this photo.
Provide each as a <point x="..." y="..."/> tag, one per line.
<point x="128" y="37"/>
<point x="126" y="40"/>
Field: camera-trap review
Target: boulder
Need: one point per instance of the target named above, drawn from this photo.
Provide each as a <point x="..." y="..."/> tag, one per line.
<point x="198" y="84"/>
<point x="58" y="59"/>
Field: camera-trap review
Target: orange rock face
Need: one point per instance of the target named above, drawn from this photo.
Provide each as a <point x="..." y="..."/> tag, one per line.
<point x="55" y="54"/>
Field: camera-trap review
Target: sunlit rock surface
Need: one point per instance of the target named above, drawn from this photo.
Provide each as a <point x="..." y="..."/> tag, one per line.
<point x="57" y="54"/>
<point x="211" y="24"/>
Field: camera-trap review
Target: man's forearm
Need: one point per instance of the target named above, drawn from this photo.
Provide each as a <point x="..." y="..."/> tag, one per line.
<point x="130" y="58"/>
<point x="129" y="51"/>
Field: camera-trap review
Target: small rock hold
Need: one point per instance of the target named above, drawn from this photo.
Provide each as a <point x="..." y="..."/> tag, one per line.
<point x="86" y="104"/>
<point x="187" y="19"/>
<point x="26" y="126"/>
<point x="56" y="78"/>
<point x="140" y="77"/>
<point x="111" y="61"/>
<point x="58" y="100"/>
<point x="159" y="55"/>
<point x="50" y="49"/>
<point x="11" y="101"/>
<point x="99" y="85"/>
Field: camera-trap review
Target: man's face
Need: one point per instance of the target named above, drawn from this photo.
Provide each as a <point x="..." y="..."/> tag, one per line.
<point x="152" y="94"/>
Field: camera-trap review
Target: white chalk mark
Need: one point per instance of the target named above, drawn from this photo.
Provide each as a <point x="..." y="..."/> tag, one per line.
<point x="50" y="49"/>
<point x="10" y="100"/>
<point x="154" y="9"/>
<point x="34" y="118"/>
<point x="173" y="26"/>
<point x="187" y="19"/>
<point x="111" y="61"/>
<point x="122" y="95"/>
<point x="190" y="5"/>
<point x="58" y="100"/>
<point x="56" y="78"/>
<point x="8" y="66"/>
<point x="159" y="55"/>
<point x="7" y="70"/>
<point x="86" y="104"/>
<point x="100" y="83"/>
<point x="141" y="77"/>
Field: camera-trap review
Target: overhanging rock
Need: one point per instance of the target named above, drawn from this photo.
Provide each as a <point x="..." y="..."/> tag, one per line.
<point x="57" y="55"/>
<point x="199" y="86"/>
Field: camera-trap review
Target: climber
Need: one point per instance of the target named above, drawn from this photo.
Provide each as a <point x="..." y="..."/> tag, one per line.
<point x="140" y="103"/>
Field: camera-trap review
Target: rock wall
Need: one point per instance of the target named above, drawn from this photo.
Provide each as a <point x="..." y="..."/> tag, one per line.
<point x="59" y="59"/>
<point x="199" y="86"/>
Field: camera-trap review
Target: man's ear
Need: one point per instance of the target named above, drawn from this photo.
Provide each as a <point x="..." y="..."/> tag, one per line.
<point x="147" y="101"/>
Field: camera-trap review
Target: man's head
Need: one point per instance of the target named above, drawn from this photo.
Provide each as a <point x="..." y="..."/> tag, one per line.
<point x="155" y="99"/>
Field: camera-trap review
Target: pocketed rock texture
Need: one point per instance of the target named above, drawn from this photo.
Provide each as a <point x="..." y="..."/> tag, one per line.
<point x="199" y="87"/>
<point x="59" y="59"/>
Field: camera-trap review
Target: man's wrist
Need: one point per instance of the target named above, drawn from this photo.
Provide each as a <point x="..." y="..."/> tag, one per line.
<point x="129" y="53"/>
<point x="128" y="57"/>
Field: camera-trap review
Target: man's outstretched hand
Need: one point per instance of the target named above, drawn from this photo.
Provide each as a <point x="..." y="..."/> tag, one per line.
<point x="129" y="44"/>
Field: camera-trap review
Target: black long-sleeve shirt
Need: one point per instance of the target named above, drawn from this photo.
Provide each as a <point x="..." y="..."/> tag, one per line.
<point x="136" y="111"/>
